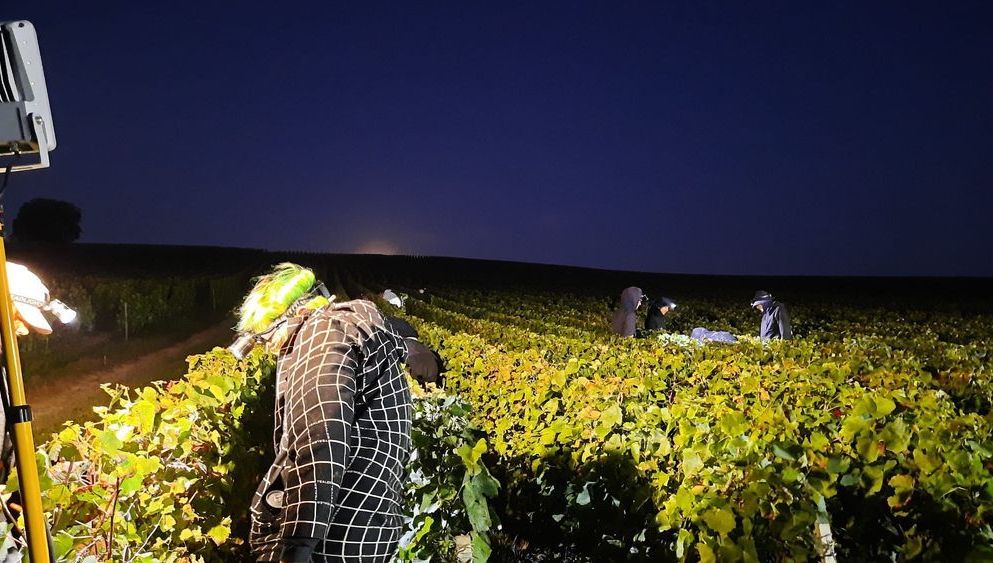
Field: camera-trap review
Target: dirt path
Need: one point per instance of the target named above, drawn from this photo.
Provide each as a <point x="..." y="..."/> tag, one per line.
<point x="72" y="398"/>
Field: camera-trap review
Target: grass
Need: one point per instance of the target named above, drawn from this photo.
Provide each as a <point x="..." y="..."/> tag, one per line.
<point x="70" y="389"/>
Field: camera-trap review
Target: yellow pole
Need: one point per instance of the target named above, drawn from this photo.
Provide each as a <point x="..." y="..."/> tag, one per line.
<point x="24" y="451"/>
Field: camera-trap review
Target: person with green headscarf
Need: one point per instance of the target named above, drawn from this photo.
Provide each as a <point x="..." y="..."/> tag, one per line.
<point x="342" y="425"/>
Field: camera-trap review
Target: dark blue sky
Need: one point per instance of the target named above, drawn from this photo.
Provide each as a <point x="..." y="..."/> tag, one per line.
<point x="752" y="138"/>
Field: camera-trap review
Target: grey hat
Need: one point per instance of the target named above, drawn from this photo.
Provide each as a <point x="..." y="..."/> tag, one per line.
<point x="760" y="296"/>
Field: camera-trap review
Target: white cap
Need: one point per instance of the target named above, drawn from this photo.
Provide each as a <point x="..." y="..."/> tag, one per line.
<point x="392" y="298"/>
<point x="29" y="295"/>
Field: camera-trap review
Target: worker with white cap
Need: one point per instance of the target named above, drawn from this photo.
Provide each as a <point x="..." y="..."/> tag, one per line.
<point x="775" y="317"/>
<point x="30" y="297"/>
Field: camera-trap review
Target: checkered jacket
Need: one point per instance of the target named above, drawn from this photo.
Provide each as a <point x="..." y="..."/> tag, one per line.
<point x="342" y="433"/>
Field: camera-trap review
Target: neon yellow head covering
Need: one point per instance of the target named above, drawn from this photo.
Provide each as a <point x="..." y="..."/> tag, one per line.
<point x="272" y="296"/>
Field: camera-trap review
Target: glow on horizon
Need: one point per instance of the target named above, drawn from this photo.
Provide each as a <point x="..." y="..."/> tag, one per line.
<point x="379" y="247"/>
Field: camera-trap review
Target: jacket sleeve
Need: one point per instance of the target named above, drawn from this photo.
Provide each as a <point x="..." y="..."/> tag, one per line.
<point x="783" y="318"/>
<point x="766" y="330"/>
<point x="321" y="404"/>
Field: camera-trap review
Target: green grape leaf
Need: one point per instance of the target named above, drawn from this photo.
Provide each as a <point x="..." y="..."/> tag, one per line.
<point x="721" y="520"/>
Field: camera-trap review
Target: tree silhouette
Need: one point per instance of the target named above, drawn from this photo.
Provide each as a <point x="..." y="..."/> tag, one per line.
<point x="47" y="220"/>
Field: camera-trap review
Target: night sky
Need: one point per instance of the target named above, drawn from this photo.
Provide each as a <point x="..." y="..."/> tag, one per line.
<point x="845" y="138"/>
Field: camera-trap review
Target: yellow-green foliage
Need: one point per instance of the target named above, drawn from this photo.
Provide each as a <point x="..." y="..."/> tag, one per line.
<point x="878" y="423"/>
<point x="664" y="447"/>
<point x="161" y="475"/>
<point x="166" y="472"/>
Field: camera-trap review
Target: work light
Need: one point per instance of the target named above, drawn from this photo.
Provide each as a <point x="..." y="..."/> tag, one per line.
<point x="61" y="311"/>
<point x="26" y="131"/>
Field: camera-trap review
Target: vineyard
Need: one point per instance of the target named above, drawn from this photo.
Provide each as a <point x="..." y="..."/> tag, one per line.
<point x="867" y="437"/>
<point x="873" y="425"/>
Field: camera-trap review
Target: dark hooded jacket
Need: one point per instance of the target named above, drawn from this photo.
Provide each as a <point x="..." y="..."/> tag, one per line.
<point x="655" y="319"/>
<point x="625" y="317"/>
<point x="775" y="321"/>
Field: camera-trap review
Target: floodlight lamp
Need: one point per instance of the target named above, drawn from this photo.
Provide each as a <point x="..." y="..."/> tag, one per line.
<point x="27" y="133"/>
<point x="61" y="311"/>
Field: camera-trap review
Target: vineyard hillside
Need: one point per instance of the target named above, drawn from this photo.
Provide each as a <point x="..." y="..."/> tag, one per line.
<point x="867" y="437"/>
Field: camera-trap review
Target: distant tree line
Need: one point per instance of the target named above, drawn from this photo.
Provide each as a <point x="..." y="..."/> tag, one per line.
<point x="48" y="220"/>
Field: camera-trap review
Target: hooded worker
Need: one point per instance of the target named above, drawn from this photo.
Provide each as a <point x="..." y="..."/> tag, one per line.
<point x="775" y="318"/>
<point x="342" y="425"/>
<point x="658" y="313"/>
<point x="624" y="320"/>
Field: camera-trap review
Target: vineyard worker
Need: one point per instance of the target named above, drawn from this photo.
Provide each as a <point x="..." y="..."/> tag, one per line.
<point x="658" y="313"/>
<point x="775" y="317"/>
<point x="625" y="317"/>
<point x="342" y="425"/>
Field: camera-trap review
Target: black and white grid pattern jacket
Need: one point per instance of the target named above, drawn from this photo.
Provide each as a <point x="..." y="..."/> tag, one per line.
<point x="342" y="432"/>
